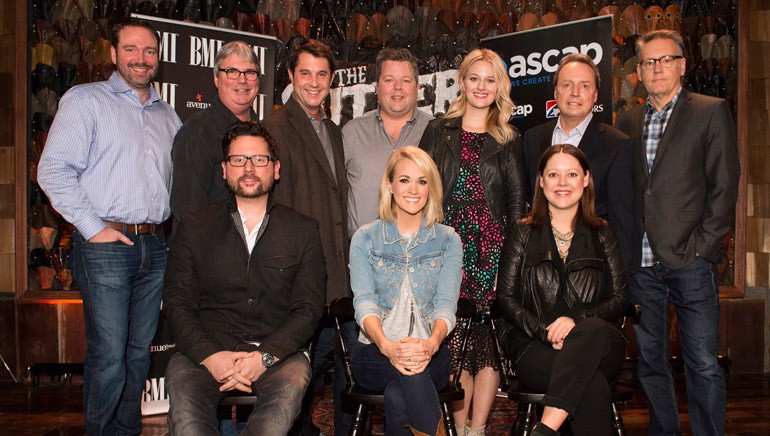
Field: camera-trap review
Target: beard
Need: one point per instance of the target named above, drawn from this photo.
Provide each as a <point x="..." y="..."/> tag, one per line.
<point x="263" y="187"/>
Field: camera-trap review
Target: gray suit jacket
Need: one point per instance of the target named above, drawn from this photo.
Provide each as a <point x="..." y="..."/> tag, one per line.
<point x="686" y="201"/>
<point x="308" y="185"/>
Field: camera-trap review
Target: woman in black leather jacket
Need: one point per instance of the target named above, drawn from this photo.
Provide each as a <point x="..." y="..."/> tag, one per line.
<point x="561" y="288"/>
<point x="481" y="161"/>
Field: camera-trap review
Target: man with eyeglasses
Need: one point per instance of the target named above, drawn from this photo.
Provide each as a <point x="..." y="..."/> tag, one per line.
<point x="608" y="150"/>
<point x="106" y="168"/>
<point x="686" y="176"/>
<point x="244" y="291"/>
<point x="197" y="154"/>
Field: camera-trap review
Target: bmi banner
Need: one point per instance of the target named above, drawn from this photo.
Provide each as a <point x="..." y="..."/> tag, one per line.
<point x="187" y="51"/>
<point x="532" y="57"/>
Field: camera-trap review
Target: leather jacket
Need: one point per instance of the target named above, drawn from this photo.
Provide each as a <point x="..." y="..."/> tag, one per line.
<point x="502" y="169"/>
<point x="532" y="277"/>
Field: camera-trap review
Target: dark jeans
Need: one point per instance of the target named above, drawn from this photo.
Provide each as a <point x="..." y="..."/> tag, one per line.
<point x="694" y="293"/>
<point x="577" y="378"/>
<point x="409" y="400"/>
<point x="324" y="344"/>
<point x="121" y="286"/>
<point x="194" y="396"/>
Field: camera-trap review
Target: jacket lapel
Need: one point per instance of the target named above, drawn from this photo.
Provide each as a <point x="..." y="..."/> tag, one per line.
<point x="590" y="143"/>
<point x="453" y="136"/>
<point x="299" y="120"/>
<point x="680" y="108"/>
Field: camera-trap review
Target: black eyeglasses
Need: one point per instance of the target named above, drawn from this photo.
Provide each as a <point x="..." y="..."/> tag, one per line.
<point x="258" y="160"/>
<point x="235" y="74"/>
<point x="667" y="61"/>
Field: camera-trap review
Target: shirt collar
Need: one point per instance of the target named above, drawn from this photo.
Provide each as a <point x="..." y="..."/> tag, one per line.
<point x="119" y="86"/>
<point x="321" y="113"/>
<point x="409" y="121"/>
<point x="390" y="233"/>
<point x="580" y="128"/>
<point x="667" y="107"/>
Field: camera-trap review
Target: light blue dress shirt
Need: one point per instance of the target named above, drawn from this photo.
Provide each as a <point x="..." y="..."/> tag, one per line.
<point x="108" y="156"/>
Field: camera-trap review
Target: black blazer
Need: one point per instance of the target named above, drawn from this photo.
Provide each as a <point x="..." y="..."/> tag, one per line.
<point x="217" y="294"/>
<point x="609" y="155"/>
<point x="686" y="202"/>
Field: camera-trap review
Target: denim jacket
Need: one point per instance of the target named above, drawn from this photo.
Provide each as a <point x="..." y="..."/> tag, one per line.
<point x="433" y="262"/>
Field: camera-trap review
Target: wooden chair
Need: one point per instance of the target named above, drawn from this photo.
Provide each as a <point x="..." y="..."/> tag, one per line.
<point x="530" y="400"/>
<point x="342" y="310"/>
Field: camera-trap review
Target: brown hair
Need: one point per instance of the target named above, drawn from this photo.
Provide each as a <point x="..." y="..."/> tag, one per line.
<point x="586" y="213"/>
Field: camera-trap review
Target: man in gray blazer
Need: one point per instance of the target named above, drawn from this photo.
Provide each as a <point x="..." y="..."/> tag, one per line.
<point x="313" y="179"/>
<point x="687" y="171"/>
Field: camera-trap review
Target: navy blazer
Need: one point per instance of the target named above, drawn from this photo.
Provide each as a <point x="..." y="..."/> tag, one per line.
<point x="610" y="160"/>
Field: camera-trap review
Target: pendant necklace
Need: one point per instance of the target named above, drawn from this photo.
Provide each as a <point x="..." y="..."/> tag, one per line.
<point x="563" y="242"/>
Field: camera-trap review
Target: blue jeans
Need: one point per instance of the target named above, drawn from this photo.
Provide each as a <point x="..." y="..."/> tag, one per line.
<point x="121" y="286"/>
<point x="409" y="400"/>
<point x="694" y="293"/>
<point x="194" y="396"/>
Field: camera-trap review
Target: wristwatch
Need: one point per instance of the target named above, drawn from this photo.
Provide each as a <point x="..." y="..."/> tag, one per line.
<point x="268" y="359"/>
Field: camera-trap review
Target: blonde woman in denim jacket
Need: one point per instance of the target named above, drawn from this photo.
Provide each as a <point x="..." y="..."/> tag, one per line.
<point x="405" y="271"/>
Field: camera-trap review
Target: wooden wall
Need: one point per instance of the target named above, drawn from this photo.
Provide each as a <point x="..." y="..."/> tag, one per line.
<point x="8" y="180"/>
<point x="8" y="110"/>
<point x="758" y="171"/>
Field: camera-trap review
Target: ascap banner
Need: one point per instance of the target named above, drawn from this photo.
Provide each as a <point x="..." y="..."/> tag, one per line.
<point x="532" y="57"/>
<point x="187" y="51"/>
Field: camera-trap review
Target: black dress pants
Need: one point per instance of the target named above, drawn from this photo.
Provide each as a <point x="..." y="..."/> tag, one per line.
<point x="577" y="378"/>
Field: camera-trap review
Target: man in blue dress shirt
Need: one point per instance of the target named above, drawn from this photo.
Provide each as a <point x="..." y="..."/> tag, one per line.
<point x="106" y="168"/>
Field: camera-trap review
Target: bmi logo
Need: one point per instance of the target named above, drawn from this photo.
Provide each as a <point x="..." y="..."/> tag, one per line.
<point x="551" y="110"/>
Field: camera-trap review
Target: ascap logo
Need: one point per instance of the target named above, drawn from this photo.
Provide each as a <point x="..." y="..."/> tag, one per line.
<point x="551" y="109"/>
<point x="522" y="111"/>
<point x="536" y="62"/>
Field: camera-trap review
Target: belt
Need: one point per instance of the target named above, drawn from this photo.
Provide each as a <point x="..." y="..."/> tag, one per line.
<point x="137" y="229"/>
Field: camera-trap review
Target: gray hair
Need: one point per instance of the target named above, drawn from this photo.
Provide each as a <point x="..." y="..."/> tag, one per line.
<point x="240" y="50"/>
<point x="659" y="34"/>
<point x="579" y="58"/>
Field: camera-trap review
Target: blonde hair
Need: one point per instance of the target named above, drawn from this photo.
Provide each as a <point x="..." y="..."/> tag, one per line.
<point x="501" y="111"/>
<point x="432" y="212"/>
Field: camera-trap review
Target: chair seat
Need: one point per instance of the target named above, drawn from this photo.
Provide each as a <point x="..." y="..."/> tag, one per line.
<point x="238" y="398"/>
<point x="357" y="394"/>
<point x="524" y="394"/>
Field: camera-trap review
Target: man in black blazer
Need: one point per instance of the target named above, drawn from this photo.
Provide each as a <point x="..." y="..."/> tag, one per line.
<point x="607" y="148"/>
<point x="687" y="172"/>
<point x="244" y="291"/>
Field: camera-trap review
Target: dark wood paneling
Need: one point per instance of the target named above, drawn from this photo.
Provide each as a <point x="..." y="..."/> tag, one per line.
<point x="743" y="327"/>
<point x="38" y="334"/>
<point x="7" y="342"/>
<point x="72" y="333"/>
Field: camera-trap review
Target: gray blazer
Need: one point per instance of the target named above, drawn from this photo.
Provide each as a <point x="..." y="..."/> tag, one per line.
<point x="308" y="185"/>
<point x="686" y="201"/>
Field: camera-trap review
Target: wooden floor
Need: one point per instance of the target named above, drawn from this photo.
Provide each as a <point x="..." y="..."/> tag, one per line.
<point x="54" y="408"/>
